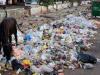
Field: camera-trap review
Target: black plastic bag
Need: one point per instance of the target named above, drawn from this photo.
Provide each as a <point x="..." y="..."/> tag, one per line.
<point x="86" y="58"/>
<point x="16" y="65"/>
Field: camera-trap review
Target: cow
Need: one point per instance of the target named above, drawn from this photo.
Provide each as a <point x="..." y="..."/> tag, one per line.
<point x="8" y="26"/>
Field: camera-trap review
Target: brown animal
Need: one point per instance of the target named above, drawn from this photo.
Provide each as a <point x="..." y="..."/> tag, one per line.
<point x="8" y="27"/>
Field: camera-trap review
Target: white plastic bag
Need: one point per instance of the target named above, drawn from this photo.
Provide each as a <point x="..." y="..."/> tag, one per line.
<point x="88" y="66"/>
<point x="45" y="68"/>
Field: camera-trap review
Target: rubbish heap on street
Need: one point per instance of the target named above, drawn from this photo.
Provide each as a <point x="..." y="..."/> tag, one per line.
<point x="57" y="45"/>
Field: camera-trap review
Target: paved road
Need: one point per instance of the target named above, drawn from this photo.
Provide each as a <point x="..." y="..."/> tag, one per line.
<point x="95" y="50"/>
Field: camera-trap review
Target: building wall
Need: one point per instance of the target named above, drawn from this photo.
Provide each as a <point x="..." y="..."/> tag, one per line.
<point x="16" y="12"/>
<point x="6" y="2"/>
<point x="2" y="2"/>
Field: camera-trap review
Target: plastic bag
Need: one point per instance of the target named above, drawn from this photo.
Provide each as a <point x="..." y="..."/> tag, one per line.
<point x="73" y="56"/>
<point x="27" y="37"/>
<point x="35" y="69"/>
<point x="17" y="52"/>
<point x="45" y="68"/>
<point x="88" y="66"/>
<point x="27" y="48"/>
<point x="86" y="58"/>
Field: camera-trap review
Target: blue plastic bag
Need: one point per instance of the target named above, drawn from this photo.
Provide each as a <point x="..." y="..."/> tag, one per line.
<point x="27" y="37"/>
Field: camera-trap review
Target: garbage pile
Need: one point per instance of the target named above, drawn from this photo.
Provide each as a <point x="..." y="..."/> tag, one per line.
<point x="30" y="22"/>
<point x="55" y="46"/>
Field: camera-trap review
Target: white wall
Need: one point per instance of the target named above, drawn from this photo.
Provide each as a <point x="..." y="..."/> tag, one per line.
<point x="2" y="2"/>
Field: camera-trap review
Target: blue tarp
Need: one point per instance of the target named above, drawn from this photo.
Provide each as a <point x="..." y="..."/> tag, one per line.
<point x="30" y="1"/>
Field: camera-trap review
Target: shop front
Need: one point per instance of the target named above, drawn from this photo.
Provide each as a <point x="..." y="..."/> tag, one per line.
<point x="11" y="2"/>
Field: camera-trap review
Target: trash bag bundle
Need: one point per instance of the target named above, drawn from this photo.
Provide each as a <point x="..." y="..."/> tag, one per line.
<point x="86" y="58"/>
